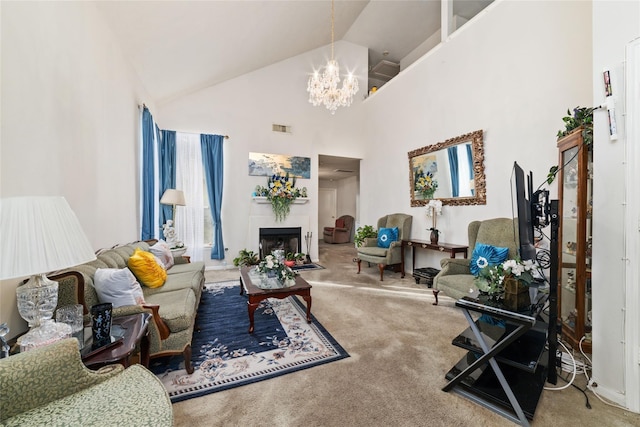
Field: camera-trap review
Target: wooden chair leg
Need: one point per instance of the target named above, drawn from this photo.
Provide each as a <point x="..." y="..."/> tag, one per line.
<point x="187" y="360"/>
<point x="435" y="294"/>
<point x="381" y="268"/>
<point x="359" y="262"/>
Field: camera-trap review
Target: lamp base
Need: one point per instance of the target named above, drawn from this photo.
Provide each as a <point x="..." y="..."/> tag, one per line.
<point x="48" y="333"/>
<point x="37" y="299"/>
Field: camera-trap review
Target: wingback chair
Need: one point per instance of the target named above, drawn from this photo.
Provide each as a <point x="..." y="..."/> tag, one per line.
<point x="455" y="279"/>
<point x="392" y="256"/>
<point x="341" y="232"/>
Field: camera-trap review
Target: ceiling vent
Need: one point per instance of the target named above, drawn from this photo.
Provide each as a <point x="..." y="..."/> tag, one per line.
<point x="281" y="128"/>
<point x="385" y="69"/>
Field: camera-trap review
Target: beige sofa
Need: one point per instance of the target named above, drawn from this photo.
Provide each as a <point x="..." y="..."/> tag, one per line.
<point x="49" y="386"/>
<point x="173" y="305"/>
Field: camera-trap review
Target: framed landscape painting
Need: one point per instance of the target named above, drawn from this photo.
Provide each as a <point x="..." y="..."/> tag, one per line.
<point x="261" y="164"/>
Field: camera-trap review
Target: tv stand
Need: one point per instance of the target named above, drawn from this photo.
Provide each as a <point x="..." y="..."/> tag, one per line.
<point x="505" y="367"/>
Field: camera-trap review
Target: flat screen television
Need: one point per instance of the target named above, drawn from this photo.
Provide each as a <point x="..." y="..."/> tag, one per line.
<point x="521" y="192"/>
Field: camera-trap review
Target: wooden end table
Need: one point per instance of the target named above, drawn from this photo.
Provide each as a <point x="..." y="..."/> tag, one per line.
<point x="257" y="294"/>
<point x="136" y="331"/>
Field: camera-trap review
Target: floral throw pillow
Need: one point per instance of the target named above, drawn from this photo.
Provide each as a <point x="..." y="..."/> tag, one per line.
<point x="486" y="255"/>
<point x="386" y="236"/>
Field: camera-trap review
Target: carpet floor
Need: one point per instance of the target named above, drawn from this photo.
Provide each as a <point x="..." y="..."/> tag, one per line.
<point x="225" y="355"/>
<point x="400" y="350"/>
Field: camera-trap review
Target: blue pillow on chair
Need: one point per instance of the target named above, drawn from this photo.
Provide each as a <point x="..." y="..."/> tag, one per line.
<point x="486" y="255"/>
<point x="386" y="236"/>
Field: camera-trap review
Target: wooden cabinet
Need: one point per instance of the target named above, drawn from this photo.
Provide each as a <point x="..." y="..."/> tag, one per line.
<point x="574" y="267"/>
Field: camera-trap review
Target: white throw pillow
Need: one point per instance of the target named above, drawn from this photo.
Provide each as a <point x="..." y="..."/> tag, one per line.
<point x="163" y="252"/>
<point x="117" y="286"/>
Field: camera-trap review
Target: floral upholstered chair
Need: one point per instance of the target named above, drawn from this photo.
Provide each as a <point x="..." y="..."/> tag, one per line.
<point x="49" y="386"/>
<point x="386" y="249"/>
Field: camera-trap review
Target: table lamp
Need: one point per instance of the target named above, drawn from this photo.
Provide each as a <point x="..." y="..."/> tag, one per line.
<point x="39" y="235"/>
<point x="175" y="198"/>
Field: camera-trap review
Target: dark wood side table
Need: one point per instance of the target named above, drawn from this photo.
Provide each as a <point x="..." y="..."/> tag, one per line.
<point x="442" y="247"/>
<point x="136" y="331"/>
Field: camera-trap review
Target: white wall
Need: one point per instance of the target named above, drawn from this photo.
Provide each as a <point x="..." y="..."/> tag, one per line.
<point x="245" y="108"/>
<point x="615" y="23"/>
<point x="69" y="122"/>
<point x="498" y="73"/>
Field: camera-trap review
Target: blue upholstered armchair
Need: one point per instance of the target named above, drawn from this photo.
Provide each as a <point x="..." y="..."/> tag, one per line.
<point x="391" y="256"/>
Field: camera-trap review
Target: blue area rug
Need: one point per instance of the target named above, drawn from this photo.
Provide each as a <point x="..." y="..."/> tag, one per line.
<point x="225" y="355"/>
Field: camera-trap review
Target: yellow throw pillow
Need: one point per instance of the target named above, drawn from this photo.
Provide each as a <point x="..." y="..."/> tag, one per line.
<point x="143" y="264"/>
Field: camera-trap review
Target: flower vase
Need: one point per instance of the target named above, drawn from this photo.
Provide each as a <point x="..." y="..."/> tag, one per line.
<point x="516" y="295"/>
<point x="435" y="234"/>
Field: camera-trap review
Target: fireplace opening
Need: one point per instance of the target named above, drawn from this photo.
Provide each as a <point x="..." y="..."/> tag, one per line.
<point x="286" y="238"/>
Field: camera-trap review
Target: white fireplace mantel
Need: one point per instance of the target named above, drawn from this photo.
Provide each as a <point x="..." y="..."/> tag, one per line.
<point x="263" y="200"/>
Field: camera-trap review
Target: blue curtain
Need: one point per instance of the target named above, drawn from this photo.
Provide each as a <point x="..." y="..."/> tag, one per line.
<point x="167" y="153"/>
<point x="148" y="196"/>
<point x="212" y="160"/>
<point x="453" y="167"/>
<point x="470" y="159"/>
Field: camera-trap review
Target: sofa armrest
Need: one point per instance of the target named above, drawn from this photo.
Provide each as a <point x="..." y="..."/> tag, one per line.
<point x="163" y="329"/>
<point x="45" y="374"/>
<point x="454" y="266"/>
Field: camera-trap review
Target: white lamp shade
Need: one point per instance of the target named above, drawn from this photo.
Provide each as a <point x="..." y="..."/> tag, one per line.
<point x="173" y="197"/>
<point x="40" y="235"/>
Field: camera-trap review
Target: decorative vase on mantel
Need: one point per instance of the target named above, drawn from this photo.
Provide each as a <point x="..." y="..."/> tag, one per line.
<point x="435" y="234"/>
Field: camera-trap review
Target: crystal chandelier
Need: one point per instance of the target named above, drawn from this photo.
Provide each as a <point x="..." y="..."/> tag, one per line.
<point x="323" y="89"/>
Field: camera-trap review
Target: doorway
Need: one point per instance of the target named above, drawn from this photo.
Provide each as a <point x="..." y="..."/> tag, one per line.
<point x="338" y="190"/>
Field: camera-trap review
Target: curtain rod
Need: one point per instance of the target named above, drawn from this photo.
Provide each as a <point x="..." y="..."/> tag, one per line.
<point x="145" y="106"/>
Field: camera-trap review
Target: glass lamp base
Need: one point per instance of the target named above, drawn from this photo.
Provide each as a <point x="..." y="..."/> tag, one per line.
<point x="48" y="333"/>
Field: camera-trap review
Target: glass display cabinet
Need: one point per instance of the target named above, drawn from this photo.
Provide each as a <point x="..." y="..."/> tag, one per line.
<point x="575" y="178"/>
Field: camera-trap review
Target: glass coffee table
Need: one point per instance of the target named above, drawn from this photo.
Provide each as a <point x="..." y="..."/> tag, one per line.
<point x="258" y="290"/>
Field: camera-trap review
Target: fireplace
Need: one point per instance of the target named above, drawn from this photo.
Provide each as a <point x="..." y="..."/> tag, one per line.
<point x="286" y="238"/>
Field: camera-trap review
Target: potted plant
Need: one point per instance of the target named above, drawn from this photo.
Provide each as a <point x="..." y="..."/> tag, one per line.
<point x="581" y="117"/>
<point x="362" y="233"/>
<point x="293" y="258"/>
<point x="246" y="257"/>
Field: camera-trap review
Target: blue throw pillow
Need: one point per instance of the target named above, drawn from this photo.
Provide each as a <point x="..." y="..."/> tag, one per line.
<point x="386" y="236"/>
<point x="486" y="255"/>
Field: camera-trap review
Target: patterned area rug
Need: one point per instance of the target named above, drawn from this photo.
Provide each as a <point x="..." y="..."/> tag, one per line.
<point x="225" y="355"/>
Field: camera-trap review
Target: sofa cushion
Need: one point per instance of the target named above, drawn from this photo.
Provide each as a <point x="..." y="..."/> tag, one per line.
<point x="177" y="308"/>
<point x="117" y="286"/>
<point x="185" y="280"/>
<point x="373" y="251"/>
<point x="147" y="269"/>
<point x="486" y="255"/>
<point x="386" y="236"/>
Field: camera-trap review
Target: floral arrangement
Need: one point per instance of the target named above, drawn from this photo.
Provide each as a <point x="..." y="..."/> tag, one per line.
<point x="492" y="278"/>
<point x="434" y="208"/>
<point x="281" y="191"/>
<point x="426" y="184"/>
<point x="272" y="267"/>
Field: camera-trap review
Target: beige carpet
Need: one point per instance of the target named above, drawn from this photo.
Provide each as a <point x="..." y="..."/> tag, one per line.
<point x="400" y="347"/>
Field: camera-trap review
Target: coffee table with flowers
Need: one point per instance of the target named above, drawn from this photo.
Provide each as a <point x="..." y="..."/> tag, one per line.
<point x="271" y="279"/>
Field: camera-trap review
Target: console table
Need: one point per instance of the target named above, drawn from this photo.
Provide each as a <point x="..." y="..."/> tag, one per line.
<point x="504" y="369"/>
<point x="424" y="244"/>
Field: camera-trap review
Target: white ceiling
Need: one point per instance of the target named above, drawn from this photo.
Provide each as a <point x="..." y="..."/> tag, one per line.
<point x="178" y="47"/>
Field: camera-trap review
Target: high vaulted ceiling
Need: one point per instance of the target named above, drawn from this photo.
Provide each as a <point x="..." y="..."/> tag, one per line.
<point x="178" y="47"/>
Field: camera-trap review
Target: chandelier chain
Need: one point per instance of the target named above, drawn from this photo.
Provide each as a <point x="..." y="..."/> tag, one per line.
<point x="323" y="88"/>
